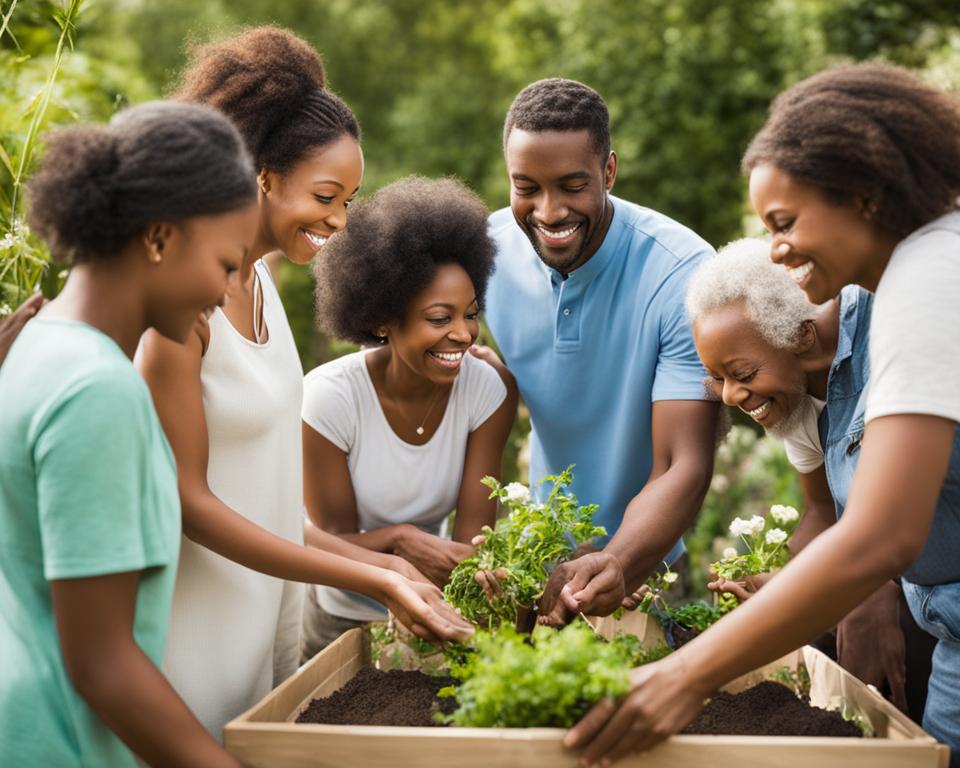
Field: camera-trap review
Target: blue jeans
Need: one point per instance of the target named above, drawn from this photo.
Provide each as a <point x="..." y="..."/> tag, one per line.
<point x="937" y="610"/>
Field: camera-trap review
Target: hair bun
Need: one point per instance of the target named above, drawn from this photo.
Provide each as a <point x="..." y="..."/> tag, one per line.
<point x="259" y="79"/>
<point x="73" y="195"/>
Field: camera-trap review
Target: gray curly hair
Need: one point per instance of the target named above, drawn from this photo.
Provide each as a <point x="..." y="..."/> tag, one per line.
<point x="742" y="271"/>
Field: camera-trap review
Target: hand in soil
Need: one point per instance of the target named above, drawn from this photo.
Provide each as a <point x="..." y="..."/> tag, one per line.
<point x="421" y="608"/>
<point x="432" y="555"/>
<point x="592" y="584"/>
<point x="870" y="643"/>
<point x="10" y="327"/>
<point x="661" y="702"/>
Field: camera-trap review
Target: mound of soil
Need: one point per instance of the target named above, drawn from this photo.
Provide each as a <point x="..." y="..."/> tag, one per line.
<point x="768" y="709"/>
<point x="374" y="697"/>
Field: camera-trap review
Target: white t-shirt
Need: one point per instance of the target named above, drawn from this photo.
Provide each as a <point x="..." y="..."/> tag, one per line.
<point x="915" y="329"/>
<point x="803" y="443"/>
<point x="395" y="482"/>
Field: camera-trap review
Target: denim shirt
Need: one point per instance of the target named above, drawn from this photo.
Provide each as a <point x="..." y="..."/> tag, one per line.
<point x="841" y="430"/>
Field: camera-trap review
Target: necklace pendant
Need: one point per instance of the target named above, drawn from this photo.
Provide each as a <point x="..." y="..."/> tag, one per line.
<point x="419" y="430"/>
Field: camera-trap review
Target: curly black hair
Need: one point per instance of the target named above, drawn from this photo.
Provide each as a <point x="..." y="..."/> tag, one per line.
<point x="100" y="185"/>
<point x="369" y="272"/>
<point x="558" y="104"/>
<point x="273" y="86"/>
<point x="871" y="131"/>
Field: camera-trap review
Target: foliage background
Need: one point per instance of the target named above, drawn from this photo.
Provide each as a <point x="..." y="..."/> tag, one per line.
<point x="687" y="83"/>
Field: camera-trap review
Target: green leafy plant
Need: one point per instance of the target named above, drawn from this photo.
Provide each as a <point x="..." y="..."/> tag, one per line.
<point x="24" y="261"/>
<point x="549" y="679"/>
<point x="766" y="539"/>
<point x="521" y="549"/>
<point x="696" y="615"/>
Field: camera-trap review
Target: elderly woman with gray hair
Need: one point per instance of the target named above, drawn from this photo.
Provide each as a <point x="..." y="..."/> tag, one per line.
<point x="800" y="371"/>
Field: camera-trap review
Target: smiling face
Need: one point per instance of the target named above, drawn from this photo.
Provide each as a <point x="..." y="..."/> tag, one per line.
<point x="441" y="323"/>
<point x="558" y="194"/>
<point x="301" y="208"/>
<point x="824" y="245"/>
<point x="199" y="256"/>
<point x="747" y="371"/>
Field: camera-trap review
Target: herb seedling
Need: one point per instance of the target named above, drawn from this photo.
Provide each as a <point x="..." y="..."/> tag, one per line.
<point x="521" y="549"/>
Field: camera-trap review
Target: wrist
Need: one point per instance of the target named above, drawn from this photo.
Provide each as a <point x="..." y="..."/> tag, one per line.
<point x="399" y="536"/>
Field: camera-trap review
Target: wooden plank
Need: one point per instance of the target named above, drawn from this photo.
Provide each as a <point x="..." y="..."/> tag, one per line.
<point x="266" y="736"/>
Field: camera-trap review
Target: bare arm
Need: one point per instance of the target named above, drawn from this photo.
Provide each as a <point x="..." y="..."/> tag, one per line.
<point x="331" y="502"/>
<point x="902" y="466"/>
<point x="683" y="441"/>
<point x="173" y="373"/>
<point x="819" y="512"/>
<point x="118" y="681"/>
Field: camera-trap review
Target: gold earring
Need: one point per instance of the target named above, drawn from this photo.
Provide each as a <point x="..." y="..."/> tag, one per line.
<point x="155" y="256"/>
<point x="783" y="249"/>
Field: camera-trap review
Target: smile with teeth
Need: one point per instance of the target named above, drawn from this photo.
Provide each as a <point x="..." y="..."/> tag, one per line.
<point x="315" y="239"/>
<point x="557" y="234"/>
<point x="448" y="359"/>
<point x="800" y="273"/>
<point x="759" y="412"/>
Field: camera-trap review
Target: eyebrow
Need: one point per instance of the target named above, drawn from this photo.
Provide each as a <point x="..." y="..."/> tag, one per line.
<point x="565" y="177"/>
<point x="445" y="305"/>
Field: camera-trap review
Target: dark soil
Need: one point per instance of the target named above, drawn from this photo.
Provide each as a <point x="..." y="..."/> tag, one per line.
<point x="682" y="635"/>
<point x="373" y="697"/>
<point x="768" y="709"/>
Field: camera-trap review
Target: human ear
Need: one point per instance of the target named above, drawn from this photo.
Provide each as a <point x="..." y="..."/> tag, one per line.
<point x="156" y="238"/>
<point x="610" y="171"/>
<point x="808" y="336"/>
<point x="263" y="181"/>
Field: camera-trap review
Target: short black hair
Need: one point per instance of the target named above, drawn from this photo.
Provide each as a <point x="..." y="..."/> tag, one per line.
<point x="273" y="85"/>
<point x="871" y="131"/>
<point x="100" y="185"/>
<point x="390" y="251"/>
<point x="558" y="104"/>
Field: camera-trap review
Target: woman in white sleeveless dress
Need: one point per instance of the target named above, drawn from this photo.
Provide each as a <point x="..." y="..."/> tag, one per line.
<point x="397" y="437"/>
<point x="229" y="400"/>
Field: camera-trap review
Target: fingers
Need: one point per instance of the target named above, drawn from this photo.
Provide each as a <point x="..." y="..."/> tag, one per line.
<point x="490" y="584"/>
<point x="615" y="735"/>
<point x="736" y="588"/>
<point x="590" y="724"/>
<point x="478" y="540"/>
<point x="559" y="616"/>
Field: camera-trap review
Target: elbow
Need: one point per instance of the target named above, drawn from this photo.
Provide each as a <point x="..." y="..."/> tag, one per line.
<point x="899" y="555"/>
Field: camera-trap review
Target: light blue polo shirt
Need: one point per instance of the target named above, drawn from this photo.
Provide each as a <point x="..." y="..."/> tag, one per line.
<point x="593" y="352"/>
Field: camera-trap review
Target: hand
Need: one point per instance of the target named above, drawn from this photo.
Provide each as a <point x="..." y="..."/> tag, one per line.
<point x="591" y="584"/>
<point x="406" y="569"/>
<point x="432" y="555"/>
<point x="420" y="608"/>
<point x="742" y="589"/>
<point x="10" y="327"/>
<point x="630" y="602"/>
<point x="663" y="699"/>
<point x="487" y="355"/>
<point x="870" y="643"/>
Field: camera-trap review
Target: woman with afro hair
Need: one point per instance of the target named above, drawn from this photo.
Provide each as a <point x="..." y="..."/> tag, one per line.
<point x="229" y="399"/>
<point x="398" y="435"/>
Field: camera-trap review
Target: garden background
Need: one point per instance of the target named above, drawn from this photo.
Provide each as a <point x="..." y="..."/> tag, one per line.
<point x="687" y="82"/>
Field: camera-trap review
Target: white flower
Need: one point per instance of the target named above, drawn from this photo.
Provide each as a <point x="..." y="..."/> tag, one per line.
<point x="755" y="525"/>
<point x="783" y="514"/>
<point x="776" y="536"/>
<point x="517" y="492"/>
<point x="670" y="576"/>
<point x="719" y="484"/>
<point x="738" y="526"/>
<point x="729" y="553"/>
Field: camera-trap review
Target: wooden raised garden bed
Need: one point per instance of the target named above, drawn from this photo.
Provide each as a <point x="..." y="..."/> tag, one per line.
<point x="266" y="736"/>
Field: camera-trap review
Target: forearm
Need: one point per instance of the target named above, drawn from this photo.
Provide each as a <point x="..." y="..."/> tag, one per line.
<point x="340" y="545"/>
<point x="655" y="519"/>
<point x="385" y="540"/>
<point x="211" y="523"/>
<point x="137" y="703"/>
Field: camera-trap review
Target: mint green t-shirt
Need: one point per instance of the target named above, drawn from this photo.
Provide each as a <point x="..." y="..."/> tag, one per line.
<point x="88" y="487"/>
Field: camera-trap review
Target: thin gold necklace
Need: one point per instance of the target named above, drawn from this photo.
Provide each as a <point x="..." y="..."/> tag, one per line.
<point x="419" y="427"/>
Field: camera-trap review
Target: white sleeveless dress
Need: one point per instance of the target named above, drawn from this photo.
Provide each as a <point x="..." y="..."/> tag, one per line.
<point x="234" y="632"/>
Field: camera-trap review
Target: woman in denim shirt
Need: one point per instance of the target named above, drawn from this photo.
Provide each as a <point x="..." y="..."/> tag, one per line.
<point x="857" y="175"/>
<point x="763" y="342"/>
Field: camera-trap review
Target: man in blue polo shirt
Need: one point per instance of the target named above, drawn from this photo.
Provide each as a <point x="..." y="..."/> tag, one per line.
<point x="587" y="307"/>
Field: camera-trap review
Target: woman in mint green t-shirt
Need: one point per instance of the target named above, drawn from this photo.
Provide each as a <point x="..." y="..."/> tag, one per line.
<point x="155" y="211"/>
